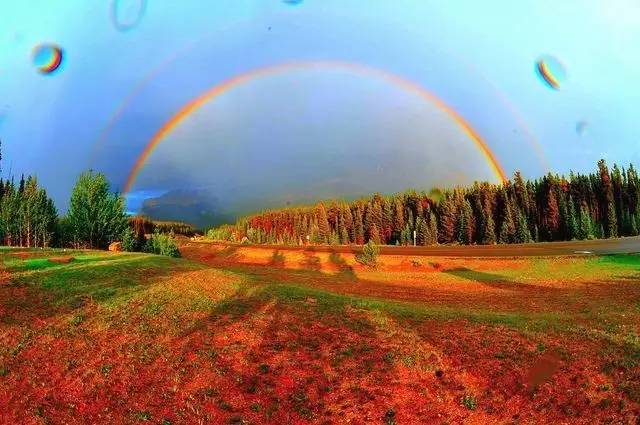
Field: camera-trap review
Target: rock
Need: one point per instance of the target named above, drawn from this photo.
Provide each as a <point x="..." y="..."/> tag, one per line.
<point x="115" y="247"/>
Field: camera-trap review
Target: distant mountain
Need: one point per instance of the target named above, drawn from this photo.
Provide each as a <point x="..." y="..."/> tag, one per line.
<point x="194" y="207"/>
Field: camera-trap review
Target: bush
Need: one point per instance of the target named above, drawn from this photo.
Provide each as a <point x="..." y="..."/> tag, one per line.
<point x="469" y="401"/>
<point x="369" y="254"/>
<point x="129" y="241"/>
<point x="222" y="233"/>
<point x="132" y="242"/>
<point x="162" y="244"/>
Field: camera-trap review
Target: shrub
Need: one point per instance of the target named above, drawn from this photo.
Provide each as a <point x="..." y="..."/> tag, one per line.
<point x="162" y="244"/>
<point x="129" y="240"/>
<point x="469" y="401"/>
<point x="222" y="233"/>
<point x="132" y="242"/>
<point x="369" y="254"/>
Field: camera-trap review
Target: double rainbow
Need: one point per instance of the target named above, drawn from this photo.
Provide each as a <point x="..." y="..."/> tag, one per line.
<point x="231" y="83"/>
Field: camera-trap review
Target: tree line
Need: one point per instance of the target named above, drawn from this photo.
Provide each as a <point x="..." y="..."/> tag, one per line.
<point x="29" y="218"/>
<point x="96" y="218"/>
<point x="601" y="204"/>
<point x="144" y="225"/>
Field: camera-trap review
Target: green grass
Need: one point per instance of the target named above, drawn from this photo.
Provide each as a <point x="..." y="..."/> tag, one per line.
<point x="95" y="276"/>
<point x="328" y="303"/>
<point x="117" y="278"/>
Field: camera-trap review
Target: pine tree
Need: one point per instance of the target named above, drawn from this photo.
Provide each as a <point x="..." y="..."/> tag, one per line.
<point x="387" y="221"/>
<point x="489" y="233"/>
<point x="324" y="230"/>
<point x="421" y="231"/>
<point x="551" y="213"/>
<point x="433" y="229"/>
<point x="612" y="222"/>
<point x="508" y="226"/>
<point x="95" y="215"/>
<point x="465" y="223"/>
<point x="521" y="192"/>
<point x="523" y="235"/>
<point x="586" y="225"/>
<point x="342" y="230"/>
<point x="359" y="228"/>
<point x="607" y="208"/>
<point x="374" y="234"/>
<point x="447" y="224"/>
<point x="573" y="220"/>
<point x="398" y="218"/>
<point x="348" y="223"/>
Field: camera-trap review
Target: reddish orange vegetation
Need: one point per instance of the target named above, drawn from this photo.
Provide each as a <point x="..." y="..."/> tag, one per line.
<point x="61" y="260"/>
<point x="252" y="357"/>
<point x="457" y="282"/>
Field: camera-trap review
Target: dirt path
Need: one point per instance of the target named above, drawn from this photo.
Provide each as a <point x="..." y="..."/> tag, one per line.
<point x="542" y="249"/>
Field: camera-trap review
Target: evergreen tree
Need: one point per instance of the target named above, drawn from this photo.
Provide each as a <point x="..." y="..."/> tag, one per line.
<point x="323" y="224"/>
<point x="612" y="222"/>
<point x="607" y="208"/>
<point x="433" y="229"/>
<point x="348" y="223"/>
<point x="465" y="223"/>
<point x="96" y="216"/>
<point x="573" y="220"/>
<point x="421" y="231"/>
<point x="447" y="223"/>
<point x="359" y="228"/>
<point x="398" y="217"/>
<point x="489" y="232"/>
<point x="387" y="221"/>
<point x="508" y="226"/>
<point x="374" y="234"/>
<point x="523" y="235"/>
<point x="551" y="208"/>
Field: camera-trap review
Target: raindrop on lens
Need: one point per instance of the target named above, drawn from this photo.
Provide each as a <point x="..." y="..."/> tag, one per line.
<point x="582" y="127"/>
<point x="551" y="71"/>
<point x="47" y="58"/>
<point x="127" y="14"/>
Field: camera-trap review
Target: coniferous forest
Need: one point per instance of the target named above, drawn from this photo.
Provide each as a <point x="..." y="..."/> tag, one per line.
<point x="603" y="204"/>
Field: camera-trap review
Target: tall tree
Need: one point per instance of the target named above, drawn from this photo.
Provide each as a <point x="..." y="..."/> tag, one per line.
<point x="96" y="216"/>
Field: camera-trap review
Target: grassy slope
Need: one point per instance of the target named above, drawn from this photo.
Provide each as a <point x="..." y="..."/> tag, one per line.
<point x="180" y="341"/>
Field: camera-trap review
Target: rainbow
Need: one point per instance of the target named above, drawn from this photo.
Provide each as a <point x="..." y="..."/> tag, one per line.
<point x="219" y="89"/>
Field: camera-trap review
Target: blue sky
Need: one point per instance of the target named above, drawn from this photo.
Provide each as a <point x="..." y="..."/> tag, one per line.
<point x="300" y="135"/>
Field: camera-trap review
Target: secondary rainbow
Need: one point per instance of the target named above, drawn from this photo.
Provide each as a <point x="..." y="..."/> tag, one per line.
<point x="219" y="89"/>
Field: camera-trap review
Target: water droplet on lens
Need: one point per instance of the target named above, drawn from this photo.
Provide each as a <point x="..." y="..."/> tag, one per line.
<point x="127" y="14"/>
<point x="551" y="71"/>
<point x="47" y="58"/>
<point x="582" y="127"/>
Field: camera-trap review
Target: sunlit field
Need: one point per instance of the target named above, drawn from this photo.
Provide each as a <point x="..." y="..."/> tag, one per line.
<point x="231" y="334"/>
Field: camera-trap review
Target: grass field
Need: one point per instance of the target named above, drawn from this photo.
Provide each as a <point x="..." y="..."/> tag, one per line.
<point x="233" y="335"/>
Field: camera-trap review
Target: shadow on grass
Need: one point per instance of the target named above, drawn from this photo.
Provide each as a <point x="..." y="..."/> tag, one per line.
<point x="498" y="281"/>
<point x="229" y="253"/>
<point x="277" y="259"/>
<point x="61" y="288"/>
<point x="345" y="271"/>
<point x="311" y="261"/>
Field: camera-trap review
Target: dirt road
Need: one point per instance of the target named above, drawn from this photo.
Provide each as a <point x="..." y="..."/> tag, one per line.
<point x="543" y="249"/>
